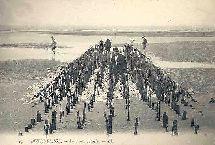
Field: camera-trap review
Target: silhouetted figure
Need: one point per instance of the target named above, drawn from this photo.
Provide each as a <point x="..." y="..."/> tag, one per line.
<point x="153" y="105"/>
<point x="67" y="109"/>
<point x="46" y="129"/>
<point x="46" y="107"/>
<point x="61" y="114"/>
<point x="112" y="111"/>
<point x="136" y="125"/>
<point x="33" y="121"/>
<point x="106" y="122"/>
<point x="30" y="126"/>
<point x="51" y="128"/>
<point x="54" y="44"/>
<point x="88" y="107"/>
<point x="175" y="127"/>
<point x="196" y="128"/>
<point x="85" y="105"/>
<point x="165" y="121"/>
<point x="144" y="42"/>
<point x="54" y="120"/>
<point x="177" y="110"/>
<point x="184" y="115"/>
<point x="110" y="119"/>
<point x="158" y="109"/>
<point x="26" y="129"/>
<point x="79" y="123"/>
<point x="84" y="117"/>
<point x="101" y="46"/>
<point x="108" y="45"/>
<point x="39" y="117"/>
<point x="192" y="123"/>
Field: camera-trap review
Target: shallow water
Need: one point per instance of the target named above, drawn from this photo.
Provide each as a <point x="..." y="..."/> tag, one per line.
<point x="69" y="54"/>
<point x="75" y="45"/>
<point x="63" y="55"/>
<point x="71" y="40"/>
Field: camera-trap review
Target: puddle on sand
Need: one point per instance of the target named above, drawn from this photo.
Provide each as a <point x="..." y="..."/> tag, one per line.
<point x="69" y="54"/>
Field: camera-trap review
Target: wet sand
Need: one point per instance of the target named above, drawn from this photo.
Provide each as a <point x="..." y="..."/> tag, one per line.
<point x="187" y="51"/>
<point x="18" y="77"/>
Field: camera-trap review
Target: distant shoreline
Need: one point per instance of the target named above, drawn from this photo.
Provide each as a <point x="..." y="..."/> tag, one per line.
<point x="139" y="33"/>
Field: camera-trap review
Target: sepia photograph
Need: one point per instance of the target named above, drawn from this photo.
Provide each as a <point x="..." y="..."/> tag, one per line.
<point x="107" y="72"/>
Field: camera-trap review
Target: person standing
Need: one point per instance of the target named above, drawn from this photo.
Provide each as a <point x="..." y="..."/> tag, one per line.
<point x="165" y="121"/>
<point x="39" y="117"/>
<point x="144" y="42"/>
<point x="196" y="128"/>
<point x="54" y="44"/>
<point x="184" y="115"/>
<point x="175" y="127"/>
<point x="108" y="45"/>
<point x="46" y="127"/>
<point x="136" y="125"/>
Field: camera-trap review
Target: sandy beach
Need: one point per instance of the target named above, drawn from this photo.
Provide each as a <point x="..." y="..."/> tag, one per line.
<point x="143" y="138"/>
<point x="22" y="70"/>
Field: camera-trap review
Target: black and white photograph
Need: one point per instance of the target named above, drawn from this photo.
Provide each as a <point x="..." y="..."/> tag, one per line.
<point x="107" y="72"/>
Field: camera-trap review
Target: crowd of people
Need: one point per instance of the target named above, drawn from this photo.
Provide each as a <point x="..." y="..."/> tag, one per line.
<point x="122" y="64"/>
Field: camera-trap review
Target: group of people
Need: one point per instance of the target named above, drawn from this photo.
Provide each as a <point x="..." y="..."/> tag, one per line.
<point x="151" y="79"/>
<point x="70" y="83"/>
<point x="108" y="44"/>
<point x="121" y="64"/>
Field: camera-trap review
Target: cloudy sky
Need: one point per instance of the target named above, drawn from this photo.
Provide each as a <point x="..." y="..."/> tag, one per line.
<point x="108" y="12"/>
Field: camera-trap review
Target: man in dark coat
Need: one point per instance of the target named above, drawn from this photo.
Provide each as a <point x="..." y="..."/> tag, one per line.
<point x="165" y="121"/>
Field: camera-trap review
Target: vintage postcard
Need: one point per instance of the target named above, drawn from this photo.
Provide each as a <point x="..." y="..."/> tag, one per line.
<point x="107" y="72"/>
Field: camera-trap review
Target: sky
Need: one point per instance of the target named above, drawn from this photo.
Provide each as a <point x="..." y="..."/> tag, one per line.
<point x="107" y="12"/>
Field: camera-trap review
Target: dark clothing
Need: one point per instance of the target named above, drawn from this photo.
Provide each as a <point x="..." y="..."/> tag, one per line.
<point x="165" y="121"/>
